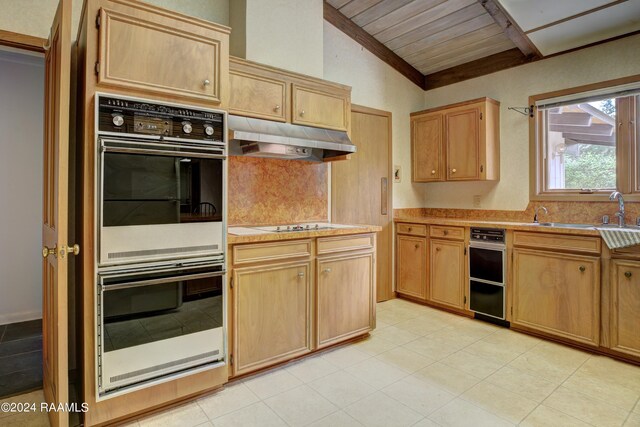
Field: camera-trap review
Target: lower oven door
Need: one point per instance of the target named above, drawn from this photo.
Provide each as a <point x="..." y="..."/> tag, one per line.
<point x="487" y="298"/>
<point x="159" y="322"/>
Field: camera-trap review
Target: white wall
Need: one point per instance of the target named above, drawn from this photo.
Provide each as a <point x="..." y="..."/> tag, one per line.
<point x="513" y="87"/>
<point x="21" y="139"/>
<point x="34" y="17"/>
<point x="377" y="85"/>
<point x="281" y="33"/>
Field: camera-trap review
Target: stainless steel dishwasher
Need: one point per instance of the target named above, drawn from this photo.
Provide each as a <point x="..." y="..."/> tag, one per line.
<point x="487" y="273"/>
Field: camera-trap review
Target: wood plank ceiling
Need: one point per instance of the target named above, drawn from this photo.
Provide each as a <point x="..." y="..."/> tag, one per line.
<point x="431" y="35"/>
<point x="452" y="40"/>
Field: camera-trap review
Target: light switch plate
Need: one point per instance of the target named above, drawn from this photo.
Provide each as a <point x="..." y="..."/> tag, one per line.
<point x="397" y="173"/>
<point x="476" y="201"/>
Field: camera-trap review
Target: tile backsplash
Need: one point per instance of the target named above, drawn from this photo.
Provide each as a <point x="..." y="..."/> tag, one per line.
<point x="273" y="191"/>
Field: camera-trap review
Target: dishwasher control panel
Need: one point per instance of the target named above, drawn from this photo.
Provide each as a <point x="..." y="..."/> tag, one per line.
<point x="495" y="235"/>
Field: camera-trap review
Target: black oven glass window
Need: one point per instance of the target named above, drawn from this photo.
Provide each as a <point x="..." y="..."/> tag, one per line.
<point x="150" y="189"/>
<point x="144" y="314"/>
<point x="486" y="264"/>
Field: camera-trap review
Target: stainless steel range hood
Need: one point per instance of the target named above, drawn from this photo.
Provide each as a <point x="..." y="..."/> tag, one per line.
<point x="264" y="138"/>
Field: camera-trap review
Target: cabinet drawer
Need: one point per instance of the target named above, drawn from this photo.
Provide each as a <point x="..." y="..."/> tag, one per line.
<point x="328" y="245"/>
<point x="261" y="252"/>
<point x="313" y="107"/>
<point x="412" y="229"/>
<point x="257" y="96"/>
<point x="561" y="242"/>
<point x="630" y="252"/>
<point x="456" y="233"/>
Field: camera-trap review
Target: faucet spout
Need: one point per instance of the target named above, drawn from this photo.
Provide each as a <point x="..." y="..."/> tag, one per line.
<point x="535" y="214"/>
<point x="620" y="214"/>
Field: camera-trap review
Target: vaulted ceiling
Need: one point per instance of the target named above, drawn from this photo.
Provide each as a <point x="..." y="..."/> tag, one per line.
<point x="450" y="40"/>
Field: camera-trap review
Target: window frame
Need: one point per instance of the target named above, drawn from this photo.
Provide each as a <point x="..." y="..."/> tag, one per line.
<point x="627" y="147"/>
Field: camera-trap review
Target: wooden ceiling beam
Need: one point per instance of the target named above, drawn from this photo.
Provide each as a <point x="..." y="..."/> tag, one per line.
<point x="510" y="28"/>
<point x="479" y="67"/>
<point x="366" y="40"/>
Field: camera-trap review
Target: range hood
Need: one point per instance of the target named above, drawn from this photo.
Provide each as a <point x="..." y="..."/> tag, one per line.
<point x="264" y="138"/>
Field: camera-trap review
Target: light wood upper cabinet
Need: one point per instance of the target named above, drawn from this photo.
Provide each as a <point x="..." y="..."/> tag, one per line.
<point x="557" y="293"/>
<point x="258" y="96"/>
<point x="151" y="50"/>
<point x="459" y="142"/>
<point x="447" y="282"/>
<point x="463" y="144"/>
<point x="314" y="107"/>
<point x="270" y="93"/>
<point x="427" y="140"/>
<point x="272" y="317"/>
<point x="411" y="268"/>
<point x="625" y="307"/>
<point x="345" y="297"/>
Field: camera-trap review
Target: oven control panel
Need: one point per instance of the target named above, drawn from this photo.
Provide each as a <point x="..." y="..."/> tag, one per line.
<point x="140" y="117"/>
<point x="494" y="235"/>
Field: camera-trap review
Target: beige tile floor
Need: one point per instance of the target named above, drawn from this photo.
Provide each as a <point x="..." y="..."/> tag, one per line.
<point x="422" y="367"/>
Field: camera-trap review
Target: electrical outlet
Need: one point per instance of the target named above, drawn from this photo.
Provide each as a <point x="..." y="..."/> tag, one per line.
<point x="476" y="201"/>
<point x="397" y="173"/>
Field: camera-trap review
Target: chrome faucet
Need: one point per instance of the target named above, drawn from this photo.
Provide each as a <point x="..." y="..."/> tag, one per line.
<point x="620" y="213"/>
<point x="535" y="213"/>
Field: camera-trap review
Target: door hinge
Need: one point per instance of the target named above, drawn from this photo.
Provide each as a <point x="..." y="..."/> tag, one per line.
<point x="98" y="20"/>
<point x="97" y="68"/>
<point x="231" y="359"/>
<point x="231" y="283"/>
<point x="465" y="299"/>
<point x="512" y="310"/>
<point x="465" y="250"/>
<point x="480" y="116"/>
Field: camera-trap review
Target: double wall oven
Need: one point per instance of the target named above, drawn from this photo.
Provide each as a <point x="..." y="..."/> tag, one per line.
<point x="161" y="226"/>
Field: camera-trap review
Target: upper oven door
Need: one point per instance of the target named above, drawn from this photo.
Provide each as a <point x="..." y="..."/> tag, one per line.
<point x="160" y="201"/>
<point x="486" y="262"/>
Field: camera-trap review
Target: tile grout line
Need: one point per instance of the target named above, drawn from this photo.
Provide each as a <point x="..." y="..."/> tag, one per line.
<point x="631" y="412"/>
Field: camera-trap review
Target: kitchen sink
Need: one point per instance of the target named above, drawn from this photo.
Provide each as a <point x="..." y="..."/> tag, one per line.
<point x="616" y="226"/>
<point x="565" y="225"/>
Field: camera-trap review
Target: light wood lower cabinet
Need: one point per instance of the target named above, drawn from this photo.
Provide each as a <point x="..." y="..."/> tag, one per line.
<point x="625" y="307"/>
<point x="272" y="317"/>
<point x="557" y="293"/>
<point x="411" y="268"/>
<point x="447" y="282"/>
<point x="346" y="297"/>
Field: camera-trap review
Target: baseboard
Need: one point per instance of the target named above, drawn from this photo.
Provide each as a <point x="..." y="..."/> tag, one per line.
<point x="20" y="317"/>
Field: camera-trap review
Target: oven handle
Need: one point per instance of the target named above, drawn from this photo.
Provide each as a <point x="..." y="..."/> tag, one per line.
<point x="214" y="153"/>
<point x="498" y="247"/>
<point x="137" y="284"/>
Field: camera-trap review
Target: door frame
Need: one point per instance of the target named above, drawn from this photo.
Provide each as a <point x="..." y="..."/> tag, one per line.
<point x="356" y="108"/>
<point x="22" y="41"/>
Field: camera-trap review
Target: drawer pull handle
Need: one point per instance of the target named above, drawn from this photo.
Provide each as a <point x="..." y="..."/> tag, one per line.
<point x="410" y="228"/>
<point x="326" y="270"/>
<point x="445" y="232"/>
<point x="582" y="268"/>
<point x="417" y="246"/>
<point x="627" y="274"/>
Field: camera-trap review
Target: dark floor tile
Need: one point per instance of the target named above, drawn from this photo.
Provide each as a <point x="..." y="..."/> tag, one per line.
<point x="2" y="329"/>
<point x="20" y="382"/>
<point x="20" y="362"/>
<point x="18" y="331"/>
<point x="20" y="346"/>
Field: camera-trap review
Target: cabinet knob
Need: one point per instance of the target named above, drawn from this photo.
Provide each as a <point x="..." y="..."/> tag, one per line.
<point x="437" y="249"/>
<point x="301" y="274"/>
<point x="627" y="274"/>
<point x="302" y="113"/>
<point x="417" y="246"/>
<point x="453" y="171"/>
<point x="206" y="82"/>
<point x="445" y="232"/>
<point x="582" y="268"/>
<point x="410" y="228"/>
<point x="326" y="270"/>
<point x="276" y="108"/>
<point x="433" y="172"/>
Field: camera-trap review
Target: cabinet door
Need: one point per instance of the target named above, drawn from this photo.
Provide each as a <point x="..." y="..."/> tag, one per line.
<point x="412" y="266"/>
<point x="271" y="315"/>
<point x="257" y="96"/>
<point x="463" y="143"/>
<point x="345" y="297"/>
<point x="557" y="293"/>
<point x="625" y="307"/>
<point x="313" y="107"/>
<point x="151" y="52"/>
<point x="426" y="142"/>
<point x="447" y="273"/>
